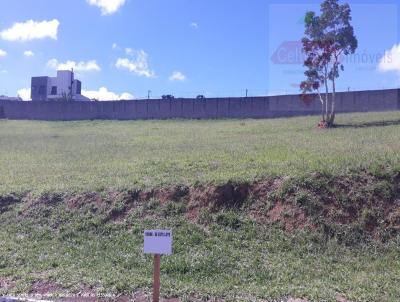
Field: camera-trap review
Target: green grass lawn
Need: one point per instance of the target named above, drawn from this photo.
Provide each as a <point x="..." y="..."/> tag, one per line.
<point x="48" y="246"/>
<point x="92" y="155"/>
<point x="53" y="250"/>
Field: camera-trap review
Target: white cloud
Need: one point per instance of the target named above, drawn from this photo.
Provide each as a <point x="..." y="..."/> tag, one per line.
<point x="391" y="60"/>
<point x="28" y="53"/>
<point x="31" y="30"/>
<point x="114" y="46"/>
<point x="138" y="65"/>
<point x="3" y="53"/>
<point x="129" y="51"/>
<point x="177" y="76"/>
<point x="104" y="95"/>
<point x="24" y="93"/>
<point x="107" y="7"/>
<point x="194" y="25"/>
<point x="77" y="66"/>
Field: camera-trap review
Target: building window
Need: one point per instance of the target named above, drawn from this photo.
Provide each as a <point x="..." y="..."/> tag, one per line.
<point x="54" y="90"/>
<point x="42" y="90"/>
<point x="78" y="87"/>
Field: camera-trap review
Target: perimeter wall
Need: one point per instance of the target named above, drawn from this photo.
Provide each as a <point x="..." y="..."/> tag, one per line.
<point x="210" y="108"/>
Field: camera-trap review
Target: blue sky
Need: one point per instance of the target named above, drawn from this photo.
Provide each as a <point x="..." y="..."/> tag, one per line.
<point x="184" y="47"/>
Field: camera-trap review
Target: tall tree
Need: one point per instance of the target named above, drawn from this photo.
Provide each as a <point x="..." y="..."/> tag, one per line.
<point x="328" y="38"/>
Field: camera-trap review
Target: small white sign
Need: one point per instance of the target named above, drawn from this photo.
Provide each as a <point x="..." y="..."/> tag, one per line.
<point x="158" y="242"/>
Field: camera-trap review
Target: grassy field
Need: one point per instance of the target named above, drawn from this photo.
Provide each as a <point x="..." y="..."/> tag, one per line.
<point x="54" y="250"/>
<point x="58" y="239"/>
<point x="93" y="155"/>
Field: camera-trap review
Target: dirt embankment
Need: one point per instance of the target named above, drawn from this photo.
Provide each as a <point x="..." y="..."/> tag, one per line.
<point x="346" y="207"/>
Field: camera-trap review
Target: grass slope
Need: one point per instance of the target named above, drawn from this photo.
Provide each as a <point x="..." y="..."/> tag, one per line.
<point x="92" y="155"/>
<point x="53" y="249"/>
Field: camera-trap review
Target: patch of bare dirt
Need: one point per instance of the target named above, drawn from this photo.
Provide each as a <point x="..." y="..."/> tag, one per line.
<point x="215" y="198"/>
<point x="341" y="298"/>
<point x="297" y="300"/>
<point x="44" y="287"/>
<point x="80" y="200"/>
<point x="49" y="199"/>
<point x="289" y="216"/>
<point x="6" y="284"/>
<point x="393" y="215"/>
<point x="361" y="201"/>
<point x="7" y="201"/>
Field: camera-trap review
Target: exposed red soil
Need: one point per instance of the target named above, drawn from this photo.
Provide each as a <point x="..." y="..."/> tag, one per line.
<point x="7" y="201"/>
<point x="341" y="298"/>
<point x="6" y="284"/>
<point x="44" y="287"/>
<point x="290" y="217"/>
<point x="362" y="201"/>
<point x="78" y="201"/>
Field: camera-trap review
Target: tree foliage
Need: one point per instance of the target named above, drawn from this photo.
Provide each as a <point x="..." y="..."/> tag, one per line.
<point x="328" y="38"/>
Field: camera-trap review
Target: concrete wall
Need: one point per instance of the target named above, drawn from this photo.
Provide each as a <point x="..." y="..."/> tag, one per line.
<point x="252" y="107"/>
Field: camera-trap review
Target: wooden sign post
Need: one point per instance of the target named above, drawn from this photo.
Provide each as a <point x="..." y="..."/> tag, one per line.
<point x="157" y="243"/>
<point x="156" y="278"/>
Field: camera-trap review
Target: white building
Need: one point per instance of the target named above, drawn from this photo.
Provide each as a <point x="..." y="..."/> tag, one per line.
<point x="62" y="87"/>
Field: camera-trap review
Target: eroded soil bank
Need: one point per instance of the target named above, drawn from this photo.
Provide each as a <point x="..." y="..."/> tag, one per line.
<point x="364" y="204"/>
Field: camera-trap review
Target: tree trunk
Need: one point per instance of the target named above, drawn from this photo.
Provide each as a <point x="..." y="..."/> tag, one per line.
<point x="322" y="106"/>
<point x="326" y="96"/>
<point x="332" y="115"/>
